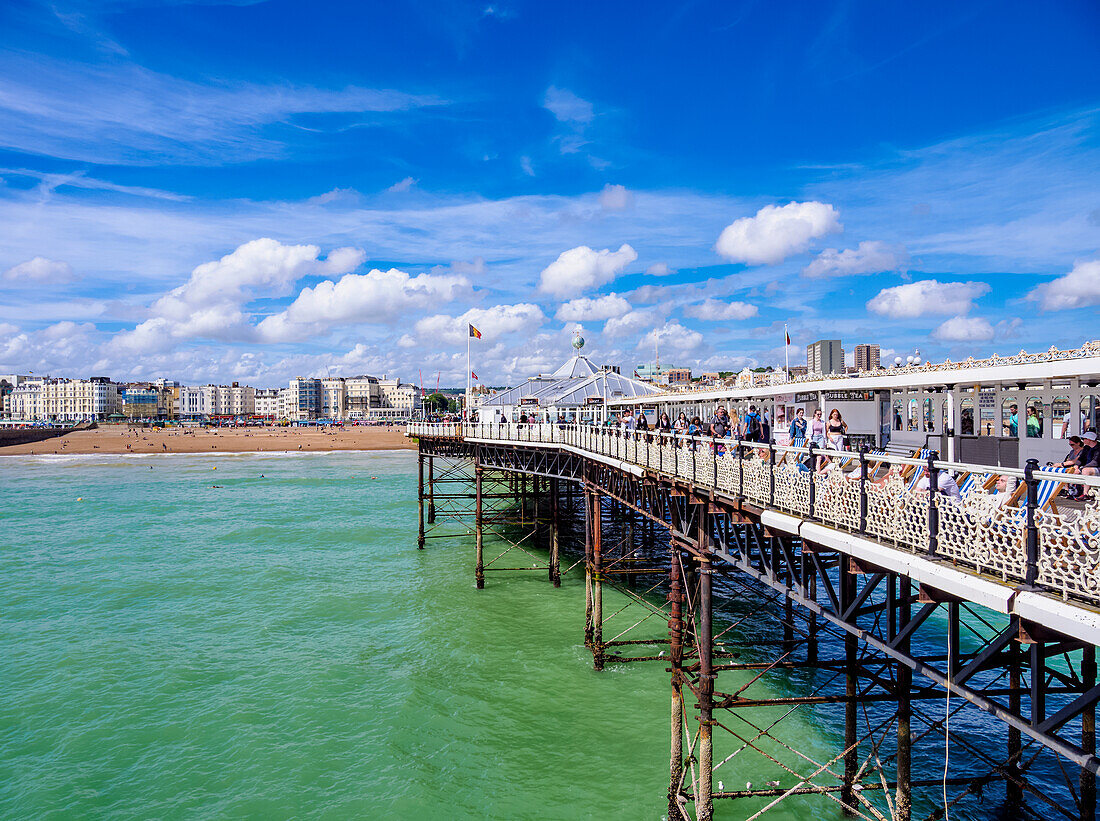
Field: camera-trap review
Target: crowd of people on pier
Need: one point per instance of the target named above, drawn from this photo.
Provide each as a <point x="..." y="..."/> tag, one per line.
<point x="829" y="436"/>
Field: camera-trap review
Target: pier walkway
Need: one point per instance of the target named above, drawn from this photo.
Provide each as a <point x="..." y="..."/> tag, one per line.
<point x="993" y="598"/>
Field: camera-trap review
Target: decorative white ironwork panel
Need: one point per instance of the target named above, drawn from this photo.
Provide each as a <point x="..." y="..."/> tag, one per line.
<point x="1069" y="551"/>
<point x="792" y="489"/>
<point x="884" y="508"/>
<point x="836" y="499"/>
<point x="757" y="484"/>
<point x="728" y="471"/>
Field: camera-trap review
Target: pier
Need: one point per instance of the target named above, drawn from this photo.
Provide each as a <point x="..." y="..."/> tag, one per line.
<point x="927" y="626"/>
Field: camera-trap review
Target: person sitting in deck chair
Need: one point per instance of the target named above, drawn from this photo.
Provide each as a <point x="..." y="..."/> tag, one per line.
<point x="1004" y="490"/>
<point x="945" y="484"/>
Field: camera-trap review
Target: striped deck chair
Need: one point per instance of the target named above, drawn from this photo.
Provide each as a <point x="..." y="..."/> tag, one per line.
<point x="797" y="442"/>
<point x="875" y="463"/>
<point x="976" y="482"/>
<point x="1047" y="490"/>
<point x="912" y="473"/>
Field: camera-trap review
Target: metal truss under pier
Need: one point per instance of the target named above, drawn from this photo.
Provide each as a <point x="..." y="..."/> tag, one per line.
<point x="770" y="624"/>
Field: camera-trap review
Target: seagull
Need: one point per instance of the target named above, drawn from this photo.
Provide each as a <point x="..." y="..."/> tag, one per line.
<point x="748" y="785"/>
<point x="773" y="783"/>
<point x="658" y="655"/>
<point x="721" y="786"/>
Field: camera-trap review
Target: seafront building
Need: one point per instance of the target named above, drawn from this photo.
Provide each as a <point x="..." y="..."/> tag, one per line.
<point x="267" y="402"/>
<point x="867" y="358"/>
<point x="28" y="398"/>
<point x="63" y="400"/>
<point x="362" y="394"/>
<point x="825" y="356"/>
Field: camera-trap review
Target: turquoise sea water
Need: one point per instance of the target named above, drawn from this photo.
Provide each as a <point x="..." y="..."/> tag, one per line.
<point x="276" y="647"/>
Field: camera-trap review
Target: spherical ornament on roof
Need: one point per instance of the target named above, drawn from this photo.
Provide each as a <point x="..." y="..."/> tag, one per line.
<point x="578" y="341"/>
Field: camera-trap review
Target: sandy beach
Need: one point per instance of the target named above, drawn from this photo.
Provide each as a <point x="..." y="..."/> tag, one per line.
<point x="115" y="439"/>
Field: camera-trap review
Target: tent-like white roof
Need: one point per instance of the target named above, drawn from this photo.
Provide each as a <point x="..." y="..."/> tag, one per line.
<point x="578" y="366"/>
<point x="571" y="385"/>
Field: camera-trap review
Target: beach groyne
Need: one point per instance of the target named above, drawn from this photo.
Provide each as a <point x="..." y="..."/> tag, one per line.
<point x="26" y="436"/>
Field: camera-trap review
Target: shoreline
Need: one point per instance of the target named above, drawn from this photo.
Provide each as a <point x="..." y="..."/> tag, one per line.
<point x="148" y="441"/>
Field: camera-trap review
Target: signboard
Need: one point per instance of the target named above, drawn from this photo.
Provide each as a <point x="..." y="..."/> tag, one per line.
<point x="805" y="397"/>
<point x="529" y="400"/>
<point x="593" y="400"/>
<point x="849" y="396"/>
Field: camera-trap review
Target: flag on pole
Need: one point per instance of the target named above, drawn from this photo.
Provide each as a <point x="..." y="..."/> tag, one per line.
<point x="474" y="332"/>
<point x="474" y="375"/>
<point x="788" y="334"/>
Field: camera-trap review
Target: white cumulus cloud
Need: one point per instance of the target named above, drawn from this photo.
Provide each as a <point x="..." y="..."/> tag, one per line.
<point x="777" y="232"/>
<point x="616" y="198"/>
<point x="716" y="310"/>
<point x="632" y="323"/>
<point x="376" y="296"/>
<point x="581" y="268"/>
<point x="492" y="322"/>
<point x="210" y="304"/>
<point x="660" y="269"/>
<point x="928" y="296"/>
<point x="672" y="337"/>
<point x="1077" y="289"/>
<point x="869" y="258"/>
<point x="964" y="329"/>
<point x="585" y="309"/>
<point x="39" y="269"/>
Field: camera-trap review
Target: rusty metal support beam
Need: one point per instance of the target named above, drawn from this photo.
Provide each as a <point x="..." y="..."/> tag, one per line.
<point x="431" y="490"/>
<point x="479" y="566"/>
<point x="420" y="499"/>
<point x="704" y="802"/>
<point x="597" y="582"/>
<point x="676" y="659"/>
<point x="555" y="527"/>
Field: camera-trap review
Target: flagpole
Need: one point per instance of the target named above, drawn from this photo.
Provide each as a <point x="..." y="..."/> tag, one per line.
<point x="466" y="410"/>
<point x="786" y="351"/>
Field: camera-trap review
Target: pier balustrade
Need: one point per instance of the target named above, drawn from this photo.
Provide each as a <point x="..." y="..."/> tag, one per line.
<point x="1030" y="543"/>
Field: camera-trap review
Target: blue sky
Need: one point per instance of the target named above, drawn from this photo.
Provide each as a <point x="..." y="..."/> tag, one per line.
<point x="251" y="191"/>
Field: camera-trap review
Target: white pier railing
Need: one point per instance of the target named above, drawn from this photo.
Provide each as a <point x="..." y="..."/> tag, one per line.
<point x="1017" y="533"/>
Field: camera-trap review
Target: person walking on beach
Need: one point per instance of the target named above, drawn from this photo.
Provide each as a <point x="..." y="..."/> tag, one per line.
<point x="836" y="430"/>
<point x="798" y="425"/>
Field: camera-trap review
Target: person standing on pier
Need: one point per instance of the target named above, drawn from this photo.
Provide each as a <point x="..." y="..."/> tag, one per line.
<point x="751" y="426"/>
<point x="798" y="425"/>
<point x="817" y="429"/>
<point x="838" y="428"/>
<point x="719" y="423"/>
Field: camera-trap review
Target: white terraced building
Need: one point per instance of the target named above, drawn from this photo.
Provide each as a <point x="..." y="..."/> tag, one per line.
<point x="65" y="400"/>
